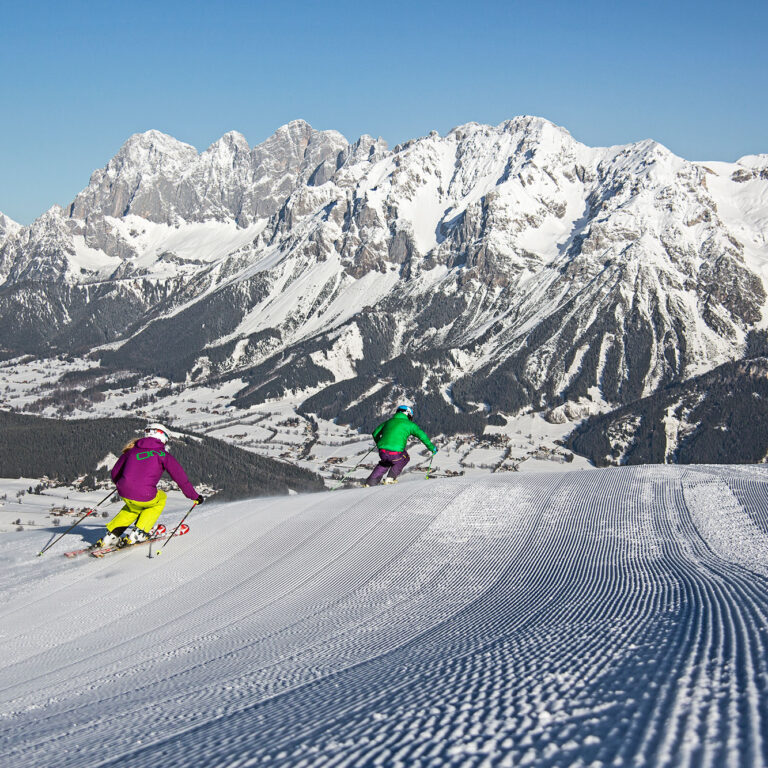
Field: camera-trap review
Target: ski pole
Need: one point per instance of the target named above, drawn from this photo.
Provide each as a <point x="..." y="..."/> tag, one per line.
<point x="160" y="551"/>
<point x="77" y="522"/>
<point x="421" y="463"/>
<point x="429" y="466"/>
<point x="341" y="482"/>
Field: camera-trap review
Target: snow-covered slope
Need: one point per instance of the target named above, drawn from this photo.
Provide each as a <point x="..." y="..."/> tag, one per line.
<point x="592" y="618"/>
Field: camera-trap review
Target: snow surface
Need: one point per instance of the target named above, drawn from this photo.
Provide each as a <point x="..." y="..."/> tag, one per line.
<point x="600" y="618"/>
<point x="197" y="243"/>
<point x="743" y="207"/>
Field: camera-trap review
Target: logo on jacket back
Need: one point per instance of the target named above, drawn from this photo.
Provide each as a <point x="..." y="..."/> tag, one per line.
<point x="146" y="454"/>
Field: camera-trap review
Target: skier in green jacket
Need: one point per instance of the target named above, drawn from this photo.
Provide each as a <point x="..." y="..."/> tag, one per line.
<point x="391" y="438"/>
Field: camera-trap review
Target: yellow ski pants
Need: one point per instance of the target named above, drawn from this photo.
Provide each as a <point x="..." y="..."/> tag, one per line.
<point x="143" y="513"/>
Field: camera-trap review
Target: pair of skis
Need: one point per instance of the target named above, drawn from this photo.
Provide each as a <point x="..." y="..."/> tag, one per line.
<point x="158" y="534"/>
<point x="428" y="475"/>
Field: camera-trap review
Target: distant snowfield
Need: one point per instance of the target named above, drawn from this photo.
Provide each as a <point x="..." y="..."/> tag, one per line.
<point x="595" y="618"/>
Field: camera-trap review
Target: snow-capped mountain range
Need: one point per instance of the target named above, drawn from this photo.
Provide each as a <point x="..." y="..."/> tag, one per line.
<point x="487" y="271"/>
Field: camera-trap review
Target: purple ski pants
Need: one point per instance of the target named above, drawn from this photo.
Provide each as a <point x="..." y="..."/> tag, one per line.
<point x="394" y="461"/>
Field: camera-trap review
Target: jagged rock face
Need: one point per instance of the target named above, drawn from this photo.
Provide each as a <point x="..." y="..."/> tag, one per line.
<point x="8" y="230"/>
<point x="160" y="179"/>
<point x="493" y="269"/>
<point x="8" y="227"/>
<point x="38" y="252"/>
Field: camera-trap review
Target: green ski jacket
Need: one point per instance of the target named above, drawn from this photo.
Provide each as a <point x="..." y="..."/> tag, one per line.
<point x="393" y="434"/>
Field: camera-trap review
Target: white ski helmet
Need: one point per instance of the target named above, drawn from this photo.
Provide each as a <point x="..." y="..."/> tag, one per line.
<point x="158" y="431"/>
<point x="406" y="409"/>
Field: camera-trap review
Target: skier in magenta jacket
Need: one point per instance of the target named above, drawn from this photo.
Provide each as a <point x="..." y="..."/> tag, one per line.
<point x="136" y="474"/>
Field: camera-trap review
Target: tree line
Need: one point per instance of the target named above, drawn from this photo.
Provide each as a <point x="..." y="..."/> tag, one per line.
<point x="69" y="451"/>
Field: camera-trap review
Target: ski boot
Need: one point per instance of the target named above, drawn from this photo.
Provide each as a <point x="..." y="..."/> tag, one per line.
<point x="389" y="481"/>
<point x="107" y="540"/>
<point x="136" y="536"/>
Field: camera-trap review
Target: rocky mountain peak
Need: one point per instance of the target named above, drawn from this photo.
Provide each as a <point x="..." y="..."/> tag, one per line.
<point x="8" y="227"/>
<point x="152" y="151"/>
<point x="230" y="143"/>
<point x="757" y="162"/>
<point x="367" y="149"/>
<point x="38" y="252"/>
<point x="163" y="180"/>
<point x="290" y="142"/>
<point x="751" y="167"/>
<point x="138" y="180"/>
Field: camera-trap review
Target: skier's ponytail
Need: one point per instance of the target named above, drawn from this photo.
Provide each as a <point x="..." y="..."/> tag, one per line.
<point x="127" y="447"/>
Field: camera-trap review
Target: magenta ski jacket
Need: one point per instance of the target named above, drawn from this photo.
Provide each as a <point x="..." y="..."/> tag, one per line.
<point x="138" y="470"/>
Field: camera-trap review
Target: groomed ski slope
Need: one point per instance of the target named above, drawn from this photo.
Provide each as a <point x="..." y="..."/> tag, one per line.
<point x="594" y="618"/>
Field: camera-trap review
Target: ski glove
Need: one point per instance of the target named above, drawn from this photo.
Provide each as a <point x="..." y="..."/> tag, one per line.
<point x="434" y="451"/>
<point x="200" y="499"/>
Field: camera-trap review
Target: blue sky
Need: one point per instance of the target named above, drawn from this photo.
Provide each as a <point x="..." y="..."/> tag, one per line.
<point x="78" y="78"/>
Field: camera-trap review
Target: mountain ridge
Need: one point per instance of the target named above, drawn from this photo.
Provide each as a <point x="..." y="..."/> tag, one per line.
<point x="515" y="267"/>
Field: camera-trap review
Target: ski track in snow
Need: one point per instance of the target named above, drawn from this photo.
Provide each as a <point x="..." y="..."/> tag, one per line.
<point x="610" y="617"/>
